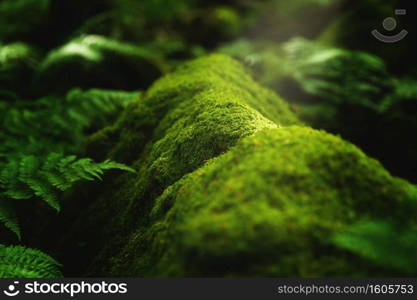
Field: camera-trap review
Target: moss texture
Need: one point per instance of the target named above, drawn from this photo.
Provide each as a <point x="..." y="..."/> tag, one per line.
<point x="185" y="119"/>
<point x="228" y="184"/>
<point x="211" y="94"/>
<point x="267" y="208"/>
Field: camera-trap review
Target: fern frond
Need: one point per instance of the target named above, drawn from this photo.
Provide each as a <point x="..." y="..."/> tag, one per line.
<point x="9" y="182"/>
<point x="51" y="170"/>
<point x="45" y="190"/>
<point x="108" y="164"/>
<point x="337" y="75"/>
<point x="8" y="216"/>
<point x="45" y="178"/>
<point x="21" y="262"/>
<point x="28" y="167"/>
<point x="53" y="124"/>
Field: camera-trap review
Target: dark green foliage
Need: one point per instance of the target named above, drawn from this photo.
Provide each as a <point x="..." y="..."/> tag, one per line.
<point x="351" y="29"/>
<point x="383" y="242"/>
<point x="45" y="178"/>
<point x="279" y="20"/>
<point x="343" y="91"/>
<point x="92" y="109"/>
<point x="57" y="123"/>
<point x="94" y="61"/>
<point x="18" y="62"/>
<point x="34" y="130"/>
<point x="225" y="186"/>
<point x="353" y="94"/>
<point x="20" y="17"/>
<point x="40" y="134"/>
<point x="21" y="262"/>
<point x="337" y="75"/>
<point x="404" y="94"/>
<point x="304" y="70"/>
<point x="8" y="215"/>
<point x="188" y="21"/>
<point x="156" y="11"/>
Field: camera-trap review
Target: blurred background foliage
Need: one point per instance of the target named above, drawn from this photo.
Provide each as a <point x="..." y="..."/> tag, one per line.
<point x="60" y="59"/>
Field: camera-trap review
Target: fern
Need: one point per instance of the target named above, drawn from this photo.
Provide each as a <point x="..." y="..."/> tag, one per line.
<point x="53" y="124"/>
<point x="337" y="75"/>
<point x="332" y="75"/>
<point x="92" y="48"/>
<point x="87" y="62"/>
<point x="405" y="90"/>
<point x="45" y="178"/>
<point x="21" y="262"/>
<point x="36" y="133"/>
<point x="8" y="216"/>
<point x="96" y="105"/>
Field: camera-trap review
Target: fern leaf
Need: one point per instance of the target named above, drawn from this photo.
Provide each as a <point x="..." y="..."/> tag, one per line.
<point x="54" y="124"/>
<point x="9" y="174"/>
<point x="52" y="161"/>
<point x="50" y="170"/>
<point x="19" y="192"/>
<point x="43" y="189"/>
<point x="86" y="169"/>
<point x="8" y="216"/>
<point x="21" y="262"/>
<point x="28" y="167"/>
<point x="9" y="182"/>
<point x="108" y="164"/>
<point x="45" y="178"/>
<point x="63" y="164"/>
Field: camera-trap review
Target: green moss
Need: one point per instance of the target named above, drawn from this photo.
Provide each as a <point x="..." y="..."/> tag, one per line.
<point x="227" y="187"/>
<point x="351" y="93"/>
<point x="185" y="119"/>
<point x="201" y="87"/>
<point x="267" y="208"/>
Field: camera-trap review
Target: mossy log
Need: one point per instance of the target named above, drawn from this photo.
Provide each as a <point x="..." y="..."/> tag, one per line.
<point x="229" y="183"/>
